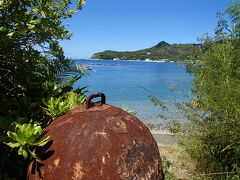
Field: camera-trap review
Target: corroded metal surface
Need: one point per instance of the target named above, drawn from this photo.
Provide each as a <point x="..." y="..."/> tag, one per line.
<point x="99" y="143"/>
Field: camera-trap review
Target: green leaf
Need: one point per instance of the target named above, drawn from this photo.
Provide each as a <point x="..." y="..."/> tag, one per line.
<point x="22" y="151"/>
<point x="43" y="14"/>
<point x="37" y="21"/>
<point x="10" y="34"/>
<point x="25" y="154"/>
<point x="11" y="135"/>
<point x="34" y="155"/>
<point x="41" y="142"/>
<point x="30" y="26"/>
<point x="13" y="145"/>
<point x="35" y="11"/>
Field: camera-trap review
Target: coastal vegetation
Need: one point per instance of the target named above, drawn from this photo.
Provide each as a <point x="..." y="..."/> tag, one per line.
<point x="162" y="51"/>
<point x="211" y="138"/>
<point x="36" y="78"/>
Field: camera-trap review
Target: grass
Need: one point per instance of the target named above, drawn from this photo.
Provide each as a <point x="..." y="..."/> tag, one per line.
<point x="180" y="164"/>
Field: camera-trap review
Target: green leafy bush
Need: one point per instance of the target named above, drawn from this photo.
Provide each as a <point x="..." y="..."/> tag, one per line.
<point x="33" y="70"/>
<point x="24" y="136"/>
<point x="212" y="136"/>
<point x="58" y="106"/>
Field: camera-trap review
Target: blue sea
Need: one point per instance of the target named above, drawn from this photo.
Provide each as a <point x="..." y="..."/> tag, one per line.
<point x="131" y="84"/>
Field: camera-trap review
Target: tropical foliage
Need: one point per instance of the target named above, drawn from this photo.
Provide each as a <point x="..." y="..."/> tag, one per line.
<point x="212" y="136"/>
<point x="26" y="135"/>
<point x="36" y="78"/>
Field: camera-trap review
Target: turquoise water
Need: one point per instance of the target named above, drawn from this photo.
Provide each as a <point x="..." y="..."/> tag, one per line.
<point x="130" y="83"/>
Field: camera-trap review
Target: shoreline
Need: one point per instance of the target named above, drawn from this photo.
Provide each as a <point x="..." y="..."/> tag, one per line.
<point x="163" y="137"/>
<point x="157" y="61"/>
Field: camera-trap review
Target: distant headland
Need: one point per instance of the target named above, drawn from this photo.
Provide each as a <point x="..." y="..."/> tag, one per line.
<point x="162" y="52"/>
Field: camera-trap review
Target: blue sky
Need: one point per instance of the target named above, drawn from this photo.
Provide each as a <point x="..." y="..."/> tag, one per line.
<point x="126" y="25"/>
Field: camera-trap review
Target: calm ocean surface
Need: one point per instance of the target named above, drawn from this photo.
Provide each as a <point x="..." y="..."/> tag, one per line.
<point x="130" y="83"/>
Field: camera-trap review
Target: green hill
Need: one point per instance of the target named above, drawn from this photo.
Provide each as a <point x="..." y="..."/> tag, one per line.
<point x="162" y="51"/>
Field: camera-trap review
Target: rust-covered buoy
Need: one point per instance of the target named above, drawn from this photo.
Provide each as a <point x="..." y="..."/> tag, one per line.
<point x="97" y="142"/>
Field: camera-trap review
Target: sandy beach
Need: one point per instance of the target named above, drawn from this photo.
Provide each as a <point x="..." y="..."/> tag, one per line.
<point x="164" y="137"/>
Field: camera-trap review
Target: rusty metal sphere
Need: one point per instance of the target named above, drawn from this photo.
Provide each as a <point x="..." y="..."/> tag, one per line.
<point x="97" y="142"/>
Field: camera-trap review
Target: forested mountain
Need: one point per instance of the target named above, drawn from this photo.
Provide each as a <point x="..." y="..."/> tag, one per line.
<point x="161" y="51"/>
